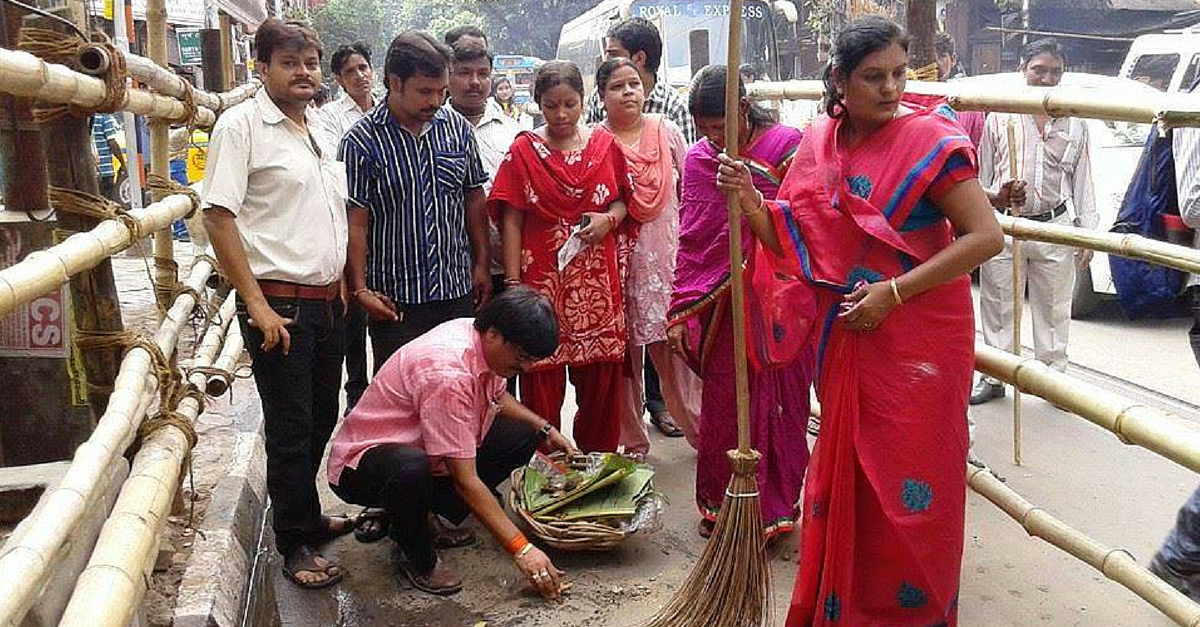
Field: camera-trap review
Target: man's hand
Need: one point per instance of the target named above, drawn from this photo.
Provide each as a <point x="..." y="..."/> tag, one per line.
<point x="1083" y="257"/>
<point x="482" y="279"/>
<point x="559" y="442"/>
<point x="541" y="573"/>
<point x="272" y="325"/>
<point x="1012" y="194"/>
<point x="378" y="307"/>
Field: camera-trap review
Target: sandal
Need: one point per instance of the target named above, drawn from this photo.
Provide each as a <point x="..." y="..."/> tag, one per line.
<point x="666" y="424"/>
<point x="706" y="527"/>
<point x="304" y="560"/>
<point x="371" y="525"/>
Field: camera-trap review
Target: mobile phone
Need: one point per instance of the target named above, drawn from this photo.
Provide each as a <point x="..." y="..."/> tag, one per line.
<point x="585" y="221"/>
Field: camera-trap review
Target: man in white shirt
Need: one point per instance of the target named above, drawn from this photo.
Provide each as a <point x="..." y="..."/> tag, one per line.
<point x="1052" y="157"/>
<point x="275" y="210"/>
<point x="351" y="65"/>
<point x="470" y="86"/>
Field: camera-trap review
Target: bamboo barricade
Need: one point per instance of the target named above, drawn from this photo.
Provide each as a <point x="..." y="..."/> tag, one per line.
<point x="112" y="585"/>
<point x="95" y="59"/>
<point x="1170" y="110"/>
<point x="227" y="362"/>
<point x="44" y="270"/>
<point x="1131" y="422"/>
<point x="1116" y="564"/>
<point x="1121" y="244"/>
<point x="22" y="74"/>
<point x="1018" y="294"/>
<point x="25" y="565"/>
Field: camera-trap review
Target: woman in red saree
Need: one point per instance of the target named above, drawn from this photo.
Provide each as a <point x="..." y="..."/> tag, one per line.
<point x="701" y="329"/>
<point x="559" y="195"/>
<point x="883" y="215"/>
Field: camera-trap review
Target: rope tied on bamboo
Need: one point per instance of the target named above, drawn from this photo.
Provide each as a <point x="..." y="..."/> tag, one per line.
<point x="92" y="340"/>
<point x="168" y="414"/>
<point x="63" y="48"/>
<point x="164" y="187"/>
<point x="191" y="111"/>
<point x="93" y="206"/>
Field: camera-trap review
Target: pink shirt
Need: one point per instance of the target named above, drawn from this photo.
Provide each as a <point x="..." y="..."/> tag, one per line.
<point x="436" y="394"/>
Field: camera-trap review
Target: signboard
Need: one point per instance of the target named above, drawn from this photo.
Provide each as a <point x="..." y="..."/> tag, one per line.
<point x="654" y="9"/>
<point x="189" y="46"/>
<point x="179" y="12"/>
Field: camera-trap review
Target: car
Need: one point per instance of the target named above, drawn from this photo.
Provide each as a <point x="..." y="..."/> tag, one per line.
<point x="1116" y="148"/>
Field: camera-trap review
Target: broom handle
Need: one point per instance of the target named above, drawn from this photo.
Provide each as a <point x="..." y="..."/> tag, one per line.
<point x="1018" y="295"/>
<point x="732" y="110"/>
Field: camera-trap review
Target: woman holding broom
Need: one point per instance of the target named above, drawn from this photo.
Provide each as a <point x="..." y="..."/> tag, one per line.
<point x="884" y="216"/>
<point x="701" y="327"/>
<point x="654" y="149"/>
<point x="559" y="196"/>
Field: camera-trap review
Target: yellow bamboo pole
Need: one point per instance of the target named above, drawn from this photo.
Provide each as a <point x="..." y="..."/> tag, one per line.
<point x="22" y="74"/>
<point x="1133" y="423"/>
<point x="111" y="587"/>
<point x="95" y="58"/>
<point x="1171" y="110"/>
<point x="26" y="563"/>
<point x="1018" y="293"/>
<point x="1116" y="564"/>
<point x="160" y="155"/>
<point x="44" y="270"/>
<point x="227" y="361"/>
<point x="1175" y="256"/>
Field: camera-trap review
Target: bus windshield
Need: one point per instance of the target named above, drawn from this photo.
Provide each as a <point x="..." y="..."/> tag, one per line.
<point x="519" y="71"/>
<point x="695" y="34"/>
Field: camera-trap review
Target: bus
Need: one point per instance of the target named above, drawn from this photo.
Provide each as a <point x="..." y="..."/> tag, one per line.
<point x="519" y="71"/>
<point x="694" y="34"/>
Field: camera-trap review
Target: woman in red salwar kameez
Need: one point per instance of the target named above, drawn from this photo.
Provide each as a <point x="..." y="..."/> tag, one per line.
<point x="559" y="195"/>
<point x="883" y="214"/>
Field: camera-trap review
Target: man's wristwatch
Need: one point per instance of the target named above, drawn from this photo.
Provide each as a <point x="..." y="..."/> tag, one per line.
<point x="544" y="432"/>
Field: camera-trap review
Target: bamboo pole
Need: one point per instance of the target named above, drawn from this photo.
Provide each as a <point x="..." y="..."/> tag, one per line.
<point x="226" y="26"/>
<point x="111" y="587"/>
<point x="165" y="268"/>
<point x="1018" y="294"/>
<point x="25" y="565"/>
<point x="95" y="58"/>
<point x="43" y="271"/>
<point x="227" y="361"/>
<point x="1171" y="110"/>
<point x="1133" y="423"/>
<point x="1125" y="245"/>
<point x="22" y="74"/>
<point x="1116" y="564"/>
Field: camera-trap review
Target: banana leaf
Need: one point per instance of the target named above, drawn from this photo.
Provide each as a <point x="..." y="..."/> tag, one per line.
<point x="539" y="502"/>
<point x="618" y="501"/>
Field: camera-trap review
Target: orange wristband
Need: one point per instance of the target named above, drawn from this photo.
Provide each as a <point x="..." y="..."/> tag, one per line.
<point x="515" y="544"/>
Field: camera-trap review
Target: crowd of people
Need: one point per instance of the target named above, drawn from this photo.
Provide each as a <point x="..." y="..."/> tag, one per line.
<point x="490" y="259"/>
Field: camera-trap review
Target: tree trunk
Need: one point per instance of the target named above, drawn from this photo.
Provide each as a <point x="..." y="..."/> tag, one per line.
<point x="922" y="31"/>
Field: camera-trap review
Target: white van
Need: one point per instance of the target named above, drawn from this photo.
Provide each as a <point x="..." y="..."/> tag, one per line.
<point x="1167" y="61"/>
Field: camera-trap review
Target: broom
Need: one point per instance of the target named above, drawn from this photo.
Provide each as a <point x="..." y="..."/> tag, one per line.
<point x="729" y="585"/>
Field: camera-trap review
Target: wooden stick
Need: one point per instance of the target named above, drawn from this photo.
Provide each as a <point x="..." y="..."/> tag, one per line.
<point x="165" y="270"/>
<point x="1018" y="292"/>
<point x="111" y="587"/>
<point x="26" y="562"/>
<point x="733" y="118"/>
<point x="43" y="271"/>
<point x="1116" y="564"/>
<point x="1172" y="110"/>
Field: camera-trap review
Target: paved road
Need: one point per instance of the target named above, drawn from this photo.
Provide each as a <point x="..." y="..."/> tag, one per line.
<point x="1120" y="495"/>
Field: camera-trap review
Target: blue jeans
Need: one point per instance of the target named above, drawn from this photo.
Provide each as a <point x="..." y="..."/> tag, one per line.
<point x="299" y="394"/>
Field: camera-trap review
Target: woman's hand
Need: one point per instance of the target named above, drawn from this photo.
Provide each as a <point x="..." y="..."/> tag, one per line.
<point x="677" y="338"/>
<point x="865" y="308"/>
<point x="599" y="225"/>
<point x="734" y="176"/>
<point x="541" y="573"/>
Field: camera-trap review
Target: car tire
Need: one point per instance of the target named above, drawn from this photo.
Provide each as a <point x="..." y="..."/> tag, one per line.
<point x="1084" y="300"/>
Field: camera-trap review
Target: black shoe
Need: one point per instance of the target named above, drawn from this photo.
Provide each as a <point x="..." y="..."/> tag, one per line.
<point x="1182" y="583"/>
<point x="984" y="392"/>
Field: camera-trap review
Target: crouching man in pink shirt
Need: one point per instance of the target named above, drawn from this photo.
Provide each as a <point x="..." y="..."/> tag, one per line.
<point x="436" y="432"/>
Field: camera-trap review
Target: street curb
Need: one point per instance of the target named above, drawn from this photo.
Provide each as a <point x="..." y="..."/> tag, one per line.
<point x="214" y="588"/>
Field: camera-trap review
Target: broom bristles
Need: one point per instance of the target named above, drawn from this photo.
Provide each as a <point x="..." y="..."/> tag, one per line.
<point x="730" y="584"/>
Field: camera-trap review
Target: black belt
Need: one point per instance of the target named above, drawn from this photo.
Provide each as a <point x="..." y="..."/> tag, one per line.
<point x="1049" y="215"/>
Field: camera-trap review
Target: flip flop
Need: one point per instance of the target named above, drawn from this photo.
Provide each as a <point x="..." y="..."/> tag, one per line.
<point x="666" y="425"/>
<point x="304" y="560"/>
<point x="371" y="525"/>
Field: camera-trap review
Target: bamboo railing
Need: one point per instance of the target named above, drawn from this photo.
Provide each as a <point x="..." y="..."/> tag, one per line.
<point x="25" y="565"/>
<point x="1116" y="564"/>
<point x="226" y="362"/>
<point x="112" y="585"/>
<point x="45" y="270"/>
<point x="94" y="58"/>
<point x="1121" y="244"/>
<point x="1170" y="110"/>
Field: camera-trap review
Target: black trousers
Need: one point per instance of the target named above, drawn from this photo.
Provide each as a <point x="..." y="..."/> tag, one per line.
<point x="415" y="321"/>
<point x="398" y="479"/>
<point x="299" y="394"/>
<point x="654" y="397"/>
<point x="1194" y="332"/>
<point x="356" y="354"/>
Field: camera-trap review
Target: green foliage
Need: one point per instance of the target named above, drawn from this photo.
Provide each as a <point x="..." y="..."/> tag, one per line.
<point x="341" y="22"/>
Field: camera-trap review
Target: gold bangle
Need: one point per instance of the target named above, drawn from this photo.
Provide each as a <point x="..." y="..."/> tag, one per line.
<point x="524" y="550"/>
<point x="762" y="204"/>
<point x="896" y="292"/>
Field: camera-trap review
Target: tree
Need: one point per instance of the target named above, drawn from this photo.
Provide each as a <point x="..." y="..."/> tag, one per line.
<point x="341" y="22"/>
<point x="528" y="27"/>
<point x="922" y="27"/>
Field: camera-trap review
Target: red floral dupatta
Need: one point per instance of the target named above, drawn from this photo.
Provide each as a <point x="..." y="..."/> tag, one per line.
<point x="555" y="189"/>
<point x="882" y="530"/>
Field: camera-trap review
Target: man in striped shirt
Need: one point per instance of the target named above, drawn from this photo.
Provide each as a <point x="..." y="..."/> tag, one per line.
<point x="1052" y="157"/>
<point x="104" y="136"/>
<point x="638" y="40"/>
<point x="418" y="227"/>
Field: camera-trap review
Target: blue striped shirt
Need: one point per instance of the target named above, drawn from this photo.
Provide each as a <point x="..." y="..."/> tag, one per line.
<point x="104" y="128"/>
<point x="414" y="188"/>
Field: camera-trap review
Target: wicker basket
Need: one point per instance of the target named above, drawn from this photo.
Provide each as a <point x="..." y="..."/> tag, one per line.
<point x="563" y="535"/>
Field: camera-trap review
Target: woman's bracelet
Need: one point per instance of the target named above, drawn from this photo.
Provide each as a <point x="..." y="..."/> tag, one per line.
<point x="517" y="544"/>
<point x="762" y="204"/>
<point x="512" y="282"/>
<point x="896" y="292"/>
